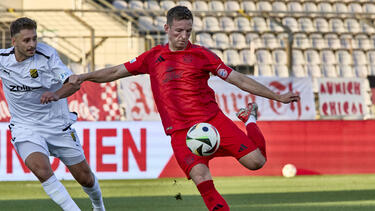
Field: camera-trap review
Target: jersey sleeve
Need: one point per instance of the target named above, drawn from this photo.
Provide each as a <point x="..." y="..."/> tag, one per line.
<point x="215" y="65"/>
<point x="138" y="65"/>
<point x="58" y="68"/>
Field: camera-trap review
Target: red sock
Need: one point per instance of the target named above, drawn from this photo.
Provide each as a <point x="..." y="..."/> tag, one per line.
<point x="254" y="133"/>
<point x="213" y="200"/>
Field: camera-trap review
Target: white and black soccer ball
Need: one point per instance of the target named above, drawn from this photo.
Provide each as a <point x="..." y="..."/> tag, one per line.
<point x="203" y="139"/>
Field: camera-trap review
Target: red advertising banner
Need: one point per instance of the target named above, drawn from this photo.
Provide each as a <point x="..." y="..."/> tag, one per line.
<point x="140" y="149"/>
<point x="93" y="102"/>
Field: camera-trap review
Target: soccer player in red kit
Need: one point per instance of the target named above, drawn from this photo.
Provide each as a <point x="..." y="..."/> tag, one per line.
<point x="179" y="72"/>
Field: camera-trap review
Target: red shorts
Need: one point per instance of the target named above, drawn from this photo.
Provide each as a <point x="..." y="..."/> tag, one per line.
<point x="233" y="142"/>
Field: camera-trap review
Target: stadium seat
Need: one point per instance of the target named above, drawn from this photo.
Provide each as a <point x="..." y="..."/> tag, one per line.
<point x="283" y="39"/>
<point x="253" y="39"/>
<point x="187" y="4"/>
<point x="298" y="71"/>
<point x="242" y="24"/>
<point x="294" y="6"/>
<point x="259" y="24"/>
<point x="232" y="58"/>
<point x="279" y="57"/>
<point x="321" y="25"/>
<point x="265" y="70"/>
<point x="337" y="25"/>
<point x="274" y="27"/>
<point x="152" y="5"/>
<point x="343" y="57"/>
<point x="327" y="57"/>
<point x="221" y="40"/>
<point x="160" y="22"/>
<point x="352" y="25"/>
<point x="367" y="29"/>
<point x="355" y="8"/>
<point x="301" y="41"/>
<point x="359" y="58"/>
<point x="298" y="57"/>
<point x="368" y="7"/>
<point x="248" y="6"/>
<point x="167" y="4"/>
<point x="309" y="7"/>
<point x="329" y="71"/>
<point x="306" y="25"/>
<point x="205" y="39"/>
<point x="313" y="71"/>
<point x="120" y="4"/>
<point x="371" y="57"/>
<point x="238" y="40"/>
<point x="346" y="41"/>
<point x="346" y="71"/>
<point x="324" y="7"/>
<point x="317" y="41"/>
<point x="291" y="23"/>
<point x="363" y="42"/>
<point x="281" y="70"/>
<point x="216" y="6"/>
<point x="211" y="24"/>
<point x="264" y="6"/>
<point x="269" y="41"/>
<point x="361" y="71"/>
<point x="263" y="57"/>
<point x="227" y="24"/>
<point x="247" y="57"/>
<point x="232" y="5"/>
<point x="146" y="23"/>
<point x="279" y="6"/>
<point x="333" y="42"/>
<point x="340" y="7"/>
<point x="371" y="70"/>
<point x="135" y="4"/>
<point x="200" y="5"/>
<point x="197" y="24"/>
<point x="312" y="57"/>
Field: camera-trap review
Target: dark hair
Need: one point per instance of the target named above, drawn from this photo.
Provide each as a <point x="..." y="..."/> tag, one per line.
<point x="21" y="23"/>
<point x="178" y="13"/>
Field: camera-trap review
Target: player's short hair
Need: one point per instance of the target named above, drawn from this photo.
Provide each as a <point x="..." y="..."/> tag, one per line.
<point x="178" y="13"/>
<point x="21" y="23"/>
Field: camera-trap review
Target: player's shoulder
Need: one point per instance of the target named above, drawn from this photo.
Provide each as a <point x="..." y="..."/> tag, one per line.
<point x="45" y="50"/>
<point x="203" y="50"/>
<point x="4" y="52"/>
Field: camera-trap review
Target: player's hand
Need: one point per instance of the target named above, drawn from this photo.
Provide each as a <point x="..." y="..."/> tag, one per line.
<point x="48" y="97"/>
<point x="289" y="97"/>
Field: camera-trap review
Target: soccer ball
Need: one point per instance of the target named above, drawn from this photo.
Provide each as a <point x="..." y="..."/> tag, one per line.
<point x="203" y="139"/>
<point x="289" y="170"/>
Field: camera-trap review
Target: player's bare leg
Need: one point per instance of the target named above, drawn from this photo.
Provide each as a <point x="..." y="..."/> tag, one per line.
<point x="39" y="164"/>
<point x="82" y="173"/>
<point x="257" y="158"/>
<point x="201" y="176"/>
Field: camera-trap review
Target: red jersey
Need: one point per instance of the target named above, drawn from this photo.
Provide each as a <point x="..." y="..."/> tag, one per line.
<point x="179" y="83"/>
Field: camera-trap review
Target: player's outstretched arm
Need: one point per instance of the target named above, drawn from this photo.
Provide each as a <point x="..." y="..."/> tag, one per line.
<point x="68" y="88"/>
<point x="105" y="75"/>
<point x="250" y="85"/>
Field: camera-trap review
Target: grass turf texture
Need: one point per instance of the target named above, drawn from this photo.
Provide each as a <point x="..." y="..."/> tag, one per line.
<point x="339" y="192"/>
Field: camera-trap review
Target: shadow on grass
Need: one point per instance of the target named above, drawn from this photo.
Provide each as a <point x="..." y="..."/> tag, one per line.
<point x="324" y="200"/>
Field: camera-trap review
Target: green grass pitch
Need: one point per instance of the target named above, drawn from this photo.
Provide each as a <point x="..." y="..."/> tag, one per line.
<point x="331" y="193"/>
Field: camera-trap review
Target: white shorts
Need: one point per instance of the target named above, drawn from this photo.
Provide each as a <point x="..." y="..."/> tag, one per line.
<point x="64" y="145"/>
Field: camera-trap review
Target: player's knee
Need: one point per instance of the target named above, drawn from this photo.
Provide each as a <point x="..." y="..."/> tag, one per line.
<point x="86" y="180"/>
<point x="258" y="164"/>
<point x="253" y="162"/>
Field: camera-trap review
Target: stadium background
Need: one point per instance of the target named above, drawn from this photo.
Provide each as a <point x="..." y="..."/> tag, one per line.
<point x="323" y="49"/>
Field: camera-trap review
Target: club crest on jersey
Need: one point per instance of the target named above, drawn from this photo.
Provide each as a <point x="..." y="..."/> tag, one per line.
<point x="222" y="73"/>
<point x="34" y="73"/>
